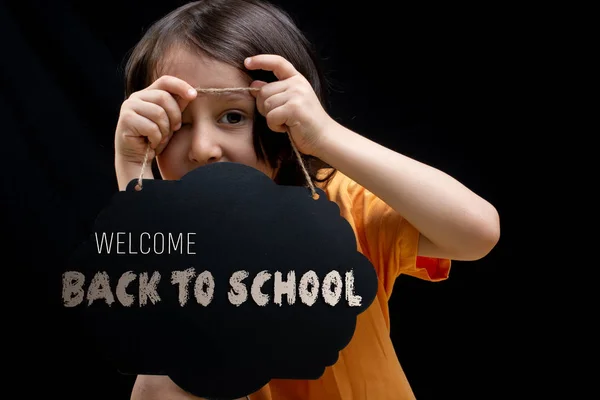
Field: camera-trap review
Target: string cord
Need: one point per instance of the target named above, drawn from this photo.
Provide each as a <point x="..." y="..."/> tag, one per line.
<point x="230" y="90"/>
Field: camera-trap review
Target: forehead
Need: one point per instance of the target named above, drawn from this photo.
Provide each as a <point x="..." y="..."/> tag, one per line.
<point x="200" y="70"/>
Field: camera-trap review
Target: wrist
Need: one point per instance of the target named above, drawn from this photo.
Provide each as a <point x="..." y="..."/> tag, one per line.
<point x="330" y="133"/>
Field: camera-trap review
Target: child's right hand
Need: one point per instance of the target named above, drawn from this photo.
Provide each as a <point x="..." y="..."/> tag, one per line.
<point x="151" y="115"/>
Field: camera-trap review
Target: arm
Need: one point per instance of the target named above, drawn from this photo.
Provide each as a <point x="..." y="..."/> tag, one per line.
<point x="454" y="222"/>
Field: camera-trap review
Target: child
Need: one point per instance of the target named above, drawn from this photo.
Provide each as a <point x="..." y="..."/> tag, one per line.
<point x="408" y="218"/>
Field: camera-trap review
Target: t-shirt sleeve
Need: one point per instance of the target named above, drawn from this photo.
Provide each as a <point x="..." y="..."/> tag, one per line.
<point x="388" y="240"/>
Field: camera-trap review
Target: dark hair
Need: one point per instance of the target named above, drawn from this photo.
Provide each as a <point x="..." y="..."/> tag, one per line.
<point x="229" y="31"/>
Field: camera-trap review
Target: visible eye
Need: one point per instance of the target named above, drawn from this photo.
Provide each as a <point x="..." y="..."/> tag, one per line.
<point x="232" y="118"/>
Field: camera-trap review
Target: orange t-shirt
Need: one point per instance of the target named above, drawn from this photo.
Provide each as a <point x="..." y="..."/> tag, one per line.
<point x="368" y="368"/>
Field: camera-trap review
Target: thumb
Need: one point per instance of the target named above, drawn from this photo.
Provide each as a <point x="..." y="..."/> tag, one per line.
<point x="163" y="144"/>
<point x="256" y="85"/>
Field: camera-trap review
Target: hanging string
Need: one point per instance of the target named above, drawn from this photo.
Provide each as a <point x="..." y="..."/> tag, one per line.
<point x="230" y="90"/>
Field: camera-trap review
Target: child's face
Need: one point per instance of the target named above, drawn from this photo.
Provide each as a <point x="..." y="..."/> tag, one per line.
<point x="215" y="127"/>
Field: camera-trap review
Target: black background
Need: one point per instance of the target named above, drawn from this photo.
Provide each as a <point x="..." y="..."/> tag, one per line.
<point x="428" y="82"/>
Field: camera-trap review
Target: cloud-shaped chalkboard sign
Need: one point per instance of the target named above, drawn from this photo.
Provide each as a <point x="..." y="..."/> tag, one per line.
<point x="222" y="280"/>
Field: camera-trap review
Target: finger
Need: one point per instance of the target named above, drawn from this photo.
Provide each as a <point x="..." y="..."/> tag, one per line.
<point x="144" y="127"/>
<point x="272" y="88"/>
<point x="167" y="102"/>
<point x="275" y="101"/>
<point x="163" y="144"/>
<point x="154" y="113"/>
<point x="256" y="85"/>
<point x="183" y="91"/>
<point x="281" y="67"/>
<point x="266" y="91"/>
<point x="277" y="119"/>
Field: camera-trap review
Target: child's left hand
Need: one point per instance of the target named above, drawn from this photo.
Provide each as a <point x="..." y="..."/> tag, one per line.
<point x="289" y="104"/>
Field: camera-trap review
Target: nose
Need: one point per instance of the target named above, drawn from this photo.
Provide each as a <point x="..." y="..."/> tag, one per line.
<point x="205" y="147"/>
